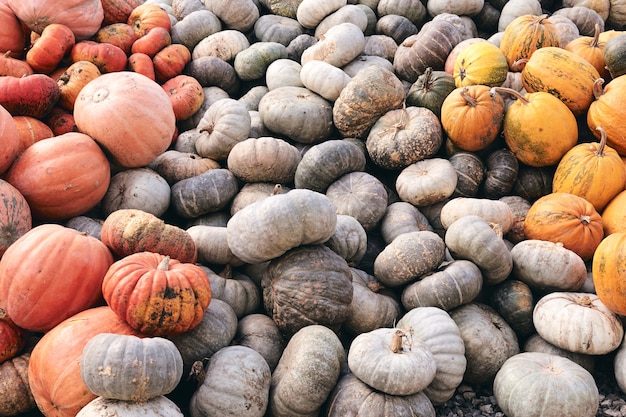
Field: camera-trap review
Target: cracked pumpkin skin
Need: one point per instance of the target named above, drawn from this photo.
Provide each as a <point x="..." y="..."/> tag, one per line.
<point x="157" y="295"/>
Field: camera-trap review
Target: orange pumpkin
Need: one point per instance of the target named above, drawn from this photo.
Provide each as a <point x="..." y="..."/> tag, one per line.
<point x="61" y="177"/>
<point x="37" y="270"/>
<point x="50" y="48"/>
<point x="609" y="272"/>
<point x="13" y="66"/>
<point x="170" y="61"/>
<point x="129" y="115"/>
<point x="147" y="16"/>
<point x="614" y="214"/>
<point x="83" y="17"/>
<point x="524" y="35"/>
<point x="593" y="171"/>
<point x="61" y="121"/>
<point x="566" y="218"/>
<point x="10" y="143"/>
<point x="591" y="48"/>
<point x="33" y="95"/>
<point x="472" y="117"/>
<point x="106" y="56"/>
<point x="609" y="112"/>
<point x="53" y="370"/>
<point x="186" y="94"/>
<point x="530" y="131"/>
<point x="118" y="11"/>
<point x="12" y="338"/>
<point x="12" y="35"/>
<point x="73" y="79"/>
<point x="157" y="295"/>
<point x="563" y="74"/>
<point x="31" y="130"/>
<point x="15" y="215"/>
<point x="480" y="63"/>
<point x="152" y="42"/>
<point x="141" y="64"/>
<point x="121" y="35"/>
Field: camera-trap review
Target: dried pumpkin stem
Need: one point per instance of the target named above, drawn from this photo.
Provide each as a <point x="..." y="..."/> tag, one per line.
<point x="598" y="88"/>
<point x="471" y="101"/>
<point x="427" y="80"/>
<point x="506" y="90"/>
<point x="277" y="189"/>
<point x="164" y="264"/>
<point x="396" y="341"/>
<point x="600" y="151"/>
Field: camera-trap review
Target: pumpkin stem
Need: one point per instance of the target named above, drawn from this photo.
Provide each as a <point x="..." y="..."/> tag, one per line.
<point x="598" y="88"/>
<point x="471" y="101"/>
<point x="396" y="341"/>
<point x="506" y="90"/>
<point x="596" y="36"/>
<point x="585" y="219"/>
<point x="497" y="229"/>
<point x="197" y="372"/>
<point x="277" y="189"/>
<point x="519" y="64"/>
<point x="600" y="151"/>
<point x="427" y="80"/>
<point x="374" y="286"/>
<point x="227" y="272"/>
<point x="584" y="301"/>
<point x="164" y="264"/>
<point x="3" y="313"/>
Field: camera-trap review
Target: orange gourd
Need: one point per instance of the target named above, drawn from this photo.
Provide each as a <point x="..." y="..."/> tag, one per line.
<point x="472" y="117"/>
<point x="118" y="11"/>
<point x="608" y="111"/>
<point x="565" y="218"/>
<point x="609" y="272"/>
<point x="121" y="35"/>
<point x="129" y="115"/>
<point x="591" y="48"/>
<point x="12" y="33"/>
<point x="73" y="79"/>
<point x="152" y="42"/>
<point x="157" y="295"/>
<point x="186" y="94"/>
<point x="31" y="130"/>
<point x="170" y="61"/>
<point x="61" y="121"/>
<point x="530" y="131"/>
<point x="50" y="48"/>
<point x="147" y="16"/>
<point x="141" y="64"/>
<point x="13" y="66"/>
<point x="106" y="56"/>
<point x="10" y="143"/>
<point x="32" y="95"/>
<point x="524" y="35"/>
<point x="15" y="215"/>
<point x="614" y="214"/>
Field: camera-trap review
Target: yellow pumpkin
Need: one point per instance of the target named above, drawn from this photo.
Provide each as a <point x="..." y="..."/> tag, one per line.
<point x="530" y="130"/>
<point x="609" y="272"/>
<point x="480" y="63"/>
<point x="614" y="214"/>
<point x="524" y="35"/>
<point x="593" y="171"/>
<point x="591" y="48"/>
<point x="608" y="110"/>
<point x="562" y="73"/>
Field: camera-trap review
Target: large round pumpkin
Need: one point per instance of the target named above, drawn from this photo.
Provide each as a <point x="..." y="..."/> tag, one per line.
<point x="51" y="273"/>
<point x="128" y="114"/>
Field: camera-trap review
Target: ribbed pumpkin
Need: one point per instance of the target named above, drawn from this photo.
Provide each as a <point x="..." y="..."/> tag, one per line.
<point x="128" y="114"/>
<point x="472" y="117"/>
<point x="480" y="63"/>
<point x="530" y="131"/>
<point x="157" y="295"/>
<point x="524" y="35"/>
<point x="609" y="272"/>
<point x="608" y="111"/>
<point x="593" y="171"/>
<point x="562" y="73"/>
<point x="566" y="218"/>
<point x="55" y="268"/>
<point x="430" y="90"/>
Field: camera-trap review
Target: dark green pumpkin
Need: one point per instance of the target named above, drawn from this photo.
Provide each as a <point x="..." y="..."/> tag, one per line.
<point x="615" y="55"/>
<point x="430" y="89"/>
<point x="502" y="168"/>
<point x="513" y="300"/>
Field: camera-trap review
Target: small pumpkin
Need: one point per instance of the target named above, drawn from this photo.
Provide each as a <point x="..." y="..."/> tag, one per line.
<point x="47" y="52"/>
<point x="480" y="63"/>
<point x="170" y="61"/>
<point x="514" y="301"/>
<point x="137" y="188"/>
<point x="492" y="211"/>
<point x="73" y="79"/>
<point x="592" y="49"/>
<point x="119" y="34"/>
<point x="155" y="294"/>
<point x="15" y="215"/>
<point x="426" y="182"/>
<point x="11" y="143"/>
<point x="144" y="17"/>
<point x="613" y="55"/>
<point x="152" y="42"/>
<point x="186" y="95"/>
<point x="32" y="95"/>
<point x="614" y="215"/>
<point x="430" y="89"/>
<point x="106" y="56"/>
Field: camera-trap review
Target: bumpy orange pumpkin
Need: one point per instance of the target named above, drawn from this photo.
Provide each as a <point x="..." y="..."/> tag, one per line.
<point x="524" y="35"/>
<point x="593" y="171"/>
<point x="121" y="35"/>
<point x="157" y="295"/>
<point x="118" y="11"/>
<point x="566" y="218"/>
<point x="61" y="177"/>
<point x="128" y="114"/>
<point x="50" y="48"/>
<point x="609" y="112"/>
<point x="147" y="16"/>
<point x="106" y="56"/>
<point x="73" y="79"/>
<point x="609" y="272"/>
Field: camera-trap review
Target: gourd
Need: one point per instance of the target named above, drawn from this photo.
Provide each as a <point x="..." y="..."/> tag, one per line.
<point x="175" y="165"/>
<point x="401" y="217"/>
<point x="236" y="288"/>
<point x="514" y="301"/>
<point x="252" y="63"/>
<point x="613" y="54"/>
<point x="255" y="191"/>
<point x="155" y="294"/>
<point x="204" y="193"/>
<point x="603" y="118"/>
<point x="31" y="95"/>
<point x="54" y="42"/>
<point x="426" y="182"/>
<point x="578" y="391"/>
<point x="239" y="15"/>
<point x="128" y="114"/>
<point x="73" y="79"/>
<point x="137" y="188"/>
<point x="341" y="44"/>
<point x="235" y="382"/>
<point x="159" y="406"/>
<point x="349" y="240"/>
<point x="129" y="368"/>
<point x="264" y="159"/>
<point x="524" y="35"/>
<point x="38" y="268"/>
<point x="324" y="79"/>
<point x="536" y="343"/>
<point x="388" y="361"/>
<point x="15" y="218"/>
<point x="16" y="394"/>
<point x="607" y="272"/>
<point x="430" y="90"/>
<point x="578" y="322"/>
<point x="259" y="332"/>
<point x="480" y="63"/>
<point x="470" y="171"/>
<point x="501" y="169"/>
<point x="613" y="215"/>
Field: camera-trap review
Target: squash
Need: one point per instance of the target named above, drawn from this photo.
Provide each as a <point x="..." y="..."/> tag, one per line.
<point x="592" y="49"/>
<point x="175" y="165"/>
<point x="613" y="55"/>
<point x="594" y="171"/>
<point x="264" y="159"/>
<point x="349" y="240"/>
<point x="578" y="393"/>
<point x="275" y="28"/>
<point x="32" y="95"/>
<point x="237" y="15"/>
<point x="119" y="34"/>
<point x="204" y="193"/>
<point x="13" y="34"/>
<point x="73" y="79"/>
<point x="158" y="407"/>
<point x="234" y="287"/>
<point x="607" y="272"/>
<point x="129" y="368"/>
<point x="186" y="95"/>
<point x="152" y="42"/>
<point x="30" y="130"/>
<point x="481" y="63"/>
<point x="402" y="217"/>
<point x="16" y="395"/>
<point x="536" y="343"/>
<point x="604" y="112"/>
<point x="106" y="56"/>
<point x="492" y="211"/>
<point x="426" y="182"/>
<point x="528" y="132"/>
<point x="259" y="332"/>
<point x="194" y="27"/>
<point x="614" y="215"/>
<point x="254" y="191"/>
<point x="137" y="188"/>
<point x="430" y="90"/>
<point x="15" y="216"/>
<point x="47" y="52"/>
<point x="514" y="301"/>
<point x="566" y="218"/>
<point x="11" y="143"/>
<point x="112" y="106"/>
<point x="524" y="35"/>
<point x="224" y="124"/>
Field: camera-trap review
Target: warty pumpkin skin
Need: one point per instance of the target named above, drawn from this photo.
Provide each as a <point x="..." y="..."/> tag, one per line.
<point x="566" y="218"/>
<point x="608" y="112"/>
<point x="129" y="115"/>
<point x="61" y="177"/>
<point x="608" y="272"/>
<point x="47" y="52"/>
<point x="155" y="294"/>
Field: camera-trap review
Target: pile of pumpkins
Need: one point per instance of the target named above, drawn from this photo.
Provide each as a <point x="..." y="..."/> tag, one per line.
<point x="298" y="208"/>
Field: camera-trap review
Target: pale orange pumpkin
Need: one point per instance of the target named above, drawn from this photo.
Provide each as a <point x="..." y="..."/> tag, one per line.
<point x="12" y="36"/>
<point x="609" y="272"/>
<point x="10" y="143"/>
<point x="608" y="111"/>
<point x="614" y="214"/>
<point x="524" y="35"/>
<point x="128" y="114"/>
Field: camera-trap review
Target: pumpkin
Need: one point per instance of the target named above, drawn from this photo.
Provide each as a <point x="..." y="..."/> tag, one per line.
<point x="618" y="366"/>
<point x="493" y="211"/>
<point x="286" y="282"/>
<point x="577" y="322"/>
<point x="592" y="49"/>
<point x="509" y="12"/>
<point x="144" y="17"/>
<point x="10" y="145"/>
<point x="536" y="343"/>
<point x="86" y="224"/>
<point x="426" y="182"/>
<point x="533" y="182"/>
<point x="528" y="132"/>
<point x="402" y="217"/>
<point x="12" y="34"/>
<point x="142" y="64"/>
<point x="613" y="215"/>
<point x="264" y="159"/>
<point x="276" y="28"/>
<point x="84" y="18"/>
<point x="234" y="287"/>
<point x="156" y="294"/>
<point x="118" y="11"/>
<point x="259" y="332"/>
<point x="152" y="42"/>
<point x="137" y="188"/>
<point x="349" y="240"/>
<point x="514" y="301"/>
<point x="501" y="169"/>
<point x="55" y="363"/>
<point x="194" y="27"/>
<point x="593" y="171"/>
<point x="480" y="63"/>
<point x="106" y="56"/>
<point x="47" y="52"/>
<point x="605" y="112"/>
<point x="158" y="407"/>
<point x="563" y="74"/>
<point x="73" y="79"/>
<point x="406" y="366"/>
<point x="310" y="366"/>
<point x="524" y="35"/>
<point x="542" y="372"/>
<point x="613" y="55"/>
<point x="470" y="171"/>
<point x="607" y="273"/>
<point x="175" y="165"/>
<point x="489" y="340"/>
<point x="112" y="106"/>
<point x="322" y="78"/>
<point x="472" y="117"/>
<point x="170" y="61"/>
<point x="253" y="62"/>
<point x="25" y="282"/>
<point x="15" y="216"/>
<point x="566" y="218"/>
<point x="224" y="124"/>
<point x="13" y="338"/>
<point x="32" y="95"/>
<point x="61" y="177"/>
<point x="341" y="44"/>
<point x="126" y="367"/>
<point x="14" y="66"/>
<point x="119" y="34"/>
<point x="205" y="193"/>
<point x="430" y="90"/>
<point x="61" y="121"/>
<point x="186" y="95"/>
<point x="235" y="382"/>
<point x="255" y="191"/>
<point x="16" y="395"/>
